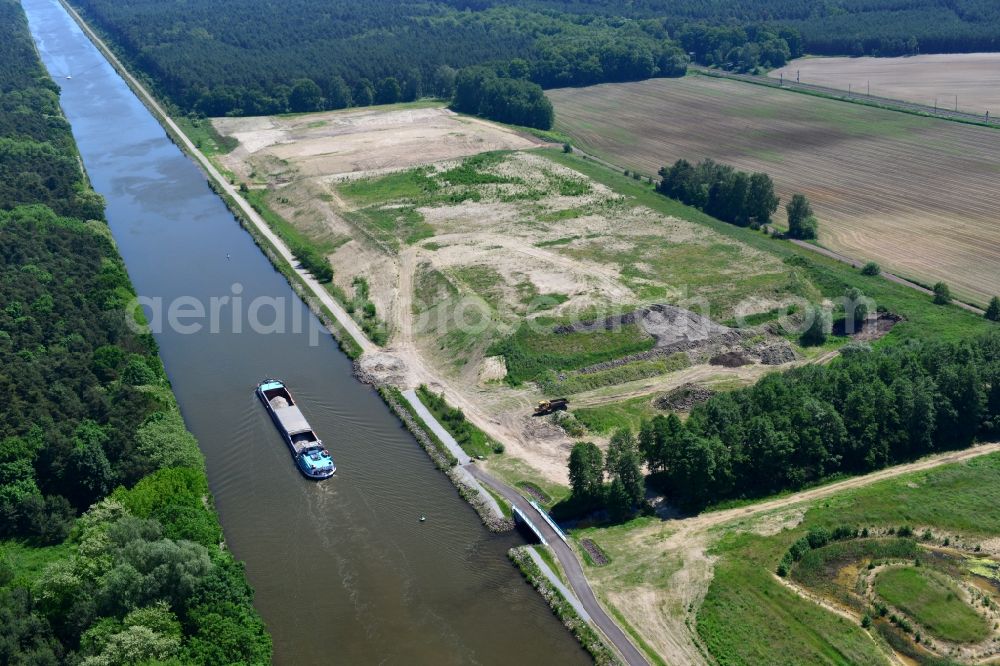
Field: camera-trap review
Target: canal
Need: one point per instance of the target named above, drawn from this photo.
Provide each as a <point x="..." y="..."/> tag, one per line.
<point x="343" y="570"/>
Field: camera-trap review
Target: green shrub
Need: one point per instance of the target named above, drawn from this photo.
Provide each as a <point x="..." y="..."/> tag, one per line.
<point x="820" y="324"/>
<point x="871" y="268"/>
<point x="314" y="262"/>
<point x="472" y="440"/>
<point x="942" y="293"/>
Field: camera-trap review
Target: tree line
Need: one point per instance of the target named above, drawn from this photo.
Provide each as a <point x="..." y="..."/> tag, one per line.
<point x="733" y="196"/>
<point x="744" y="49"/>
<point x="94" y="455"/>
<point x="868" y="410"/>
<point x="740" y="198"/>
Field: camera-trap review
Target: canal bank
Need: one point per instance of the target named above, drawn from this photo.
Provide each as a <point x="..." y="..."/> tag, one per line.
<point x="342" y="569"/>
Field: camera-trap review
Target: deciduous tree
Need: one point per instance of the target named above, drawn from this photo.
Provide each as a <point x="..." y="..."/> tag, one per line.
<point x="586" y="471"/>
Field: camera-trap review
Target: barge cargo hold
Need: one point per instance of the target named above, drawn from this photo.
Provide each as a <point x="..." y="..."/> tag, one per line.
<point x="311" y="457"/>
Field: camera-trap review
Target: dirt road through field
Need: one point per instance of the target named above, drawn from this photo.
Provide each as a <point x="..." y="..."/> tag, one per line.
<point x="673" y="637"/>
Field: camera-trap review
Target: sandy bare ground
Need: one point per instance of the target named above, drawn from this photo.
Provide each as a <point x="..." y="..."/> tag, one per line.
<point x="497" y="410"/>
<point x="659" y="613"/>
<point x="915" y="194"/>
<point x="933" y="80"/>
<point x="662" y="613"/>
<point x="342" y="142"/>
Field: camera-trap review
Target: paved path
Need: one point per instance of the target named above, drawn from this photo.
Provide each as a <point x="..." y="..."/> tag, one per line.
<point x="438" y="429"/>
<point x="558" y="584"/>
<point x="465" y="463"/>
<point x="571" y="566"/>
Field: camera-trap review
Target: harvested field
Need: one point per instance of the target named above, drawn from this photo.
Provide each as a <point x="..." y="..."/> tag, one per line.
<point x="924" y="79"/>
<point x="915" y="194"/>
<point x="340" y="142"/>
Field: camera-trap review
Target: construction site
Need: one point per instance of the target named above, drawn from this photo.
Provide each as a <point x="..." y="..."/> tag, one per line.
<point x="503" y="277"/>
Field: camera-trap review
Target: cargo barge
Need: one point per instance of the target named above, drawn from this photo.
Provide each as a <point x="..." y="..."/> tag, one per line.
<point x="311" y="457"/>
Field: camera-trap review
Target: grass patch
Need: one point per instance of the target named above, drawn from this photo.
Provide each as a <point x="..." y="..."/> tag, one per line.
<point x="933" y="602"/>
<point x="628" y="566"/>
<point x="535" y="493"/>
<point x="552" y="384"/>
<point x="557" y="241"/>
<point x="543" y="302"/>
<point x="21" y="563"/>
<point x="625" y="414"/>
<point x="530" y="353"/>
<point x="504" y="505"/>
<point x="948" y="498"/>
<point x="819" y="567"/>
<point x="392" y="225"/>
<point x="517" y="474"/>
<point x="430" y="287"/>
<point x="473" y="441"/>
<point x="749" y="618"/>
<point x="362" y="309"/>
<point x="484" y="281"/>
<point x="472" y="171"/>
<point x="651" y="654"/>
<point x="410" y="184"/>
<point x="546" y="554"/>
<point x="590" y="639"/>
<point x="204" y="136"/>
<point x="359" y="307"/>
<point x="550" y="136"/>
<point x="441" y="455"/>
<point x="427" y="103"/>
<point x="288" y="232"/>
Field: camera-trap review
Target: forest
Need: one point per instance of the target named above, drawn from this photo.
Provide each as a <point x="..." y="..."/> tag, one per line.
<point x="865" y="411"/>
<point x="257" y="60"/>
<point x="246" y="57"/>
<point x="109" y="542"/>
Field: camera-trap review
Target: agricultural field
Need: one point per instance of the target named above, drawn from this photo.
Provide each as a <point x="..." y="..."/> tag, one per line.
<point x="925" y="79"/>
<point x="914" y="194"/>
